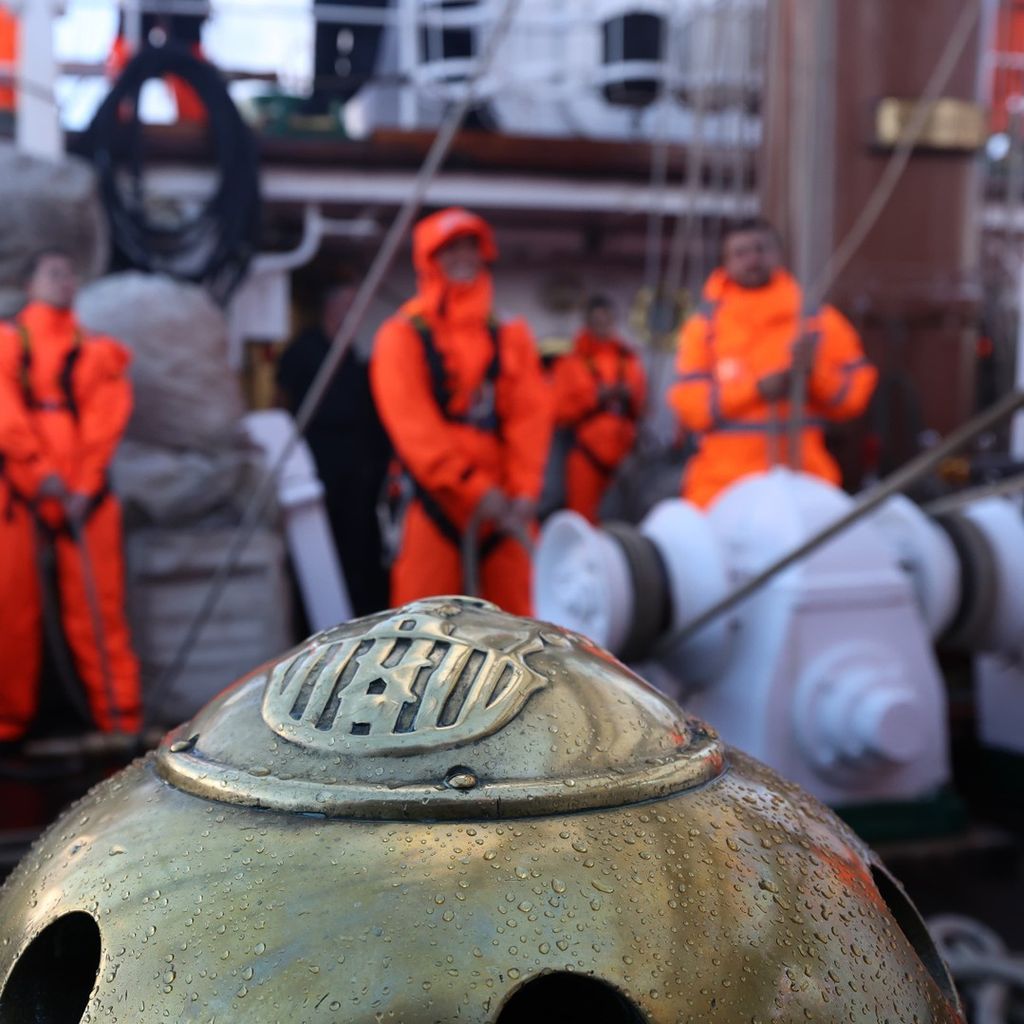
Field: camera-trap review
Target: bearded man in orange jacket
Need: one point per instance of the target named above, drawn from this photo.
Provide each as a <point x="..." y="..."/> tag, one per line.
<point x="64" y="401"/>
<point x="736" y="362"/>
<point x="600" y="388"/>
<point x="464" y="401"/>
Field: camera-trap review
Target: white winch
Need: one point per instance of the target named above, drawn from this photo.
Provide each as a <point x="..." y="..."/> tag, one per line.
<point x="828" y="671"/>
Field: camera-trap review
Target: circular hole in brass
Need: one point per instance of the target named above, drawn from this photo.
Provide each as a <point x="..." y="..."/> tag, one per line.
<point x="568" y="997"/>
<point x="915" y="931"/>
<point x="55" y="975"/>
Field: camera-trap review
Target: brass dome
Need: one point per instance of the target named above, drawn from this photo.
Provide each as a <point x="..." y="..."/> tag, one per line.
<point x="446" y="813"/>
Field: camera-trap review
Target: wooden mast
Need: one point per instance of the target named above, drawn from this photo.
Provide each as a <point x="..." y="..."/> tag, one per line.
<point x="912" y="287"/>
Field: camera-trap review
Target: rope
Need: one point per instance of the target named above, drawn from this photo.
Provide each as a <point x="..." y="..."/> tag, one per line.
<point x="989" y="978"/>
<point x="92" y="600"/>
<point x="874" y="207"/>
<point x="214" y="247"/>
<point x="999" y="489"/>
<point x="868" y="502"/>
<point x="886" y="186"/>
<point x="339" y="349"/>
<point x="471" y="552"/>
<point x="663" y="282"/>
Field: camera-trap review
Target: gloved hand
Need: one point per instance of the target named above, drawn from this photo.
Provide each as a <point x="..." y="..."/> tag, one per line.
<point x="75" y="508"/>
<point x="51" y="486"/>
<point x="774" y="387"/>
<point x="492" y="507"/>
<point x="519" y="515"/>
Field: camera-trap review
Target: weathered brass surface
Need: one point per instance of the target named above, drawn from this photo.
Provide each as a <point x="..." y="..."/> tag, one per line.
<point x="390" y="717"/>
<point x="952" y="124"/>
<point x="285" y="856"/>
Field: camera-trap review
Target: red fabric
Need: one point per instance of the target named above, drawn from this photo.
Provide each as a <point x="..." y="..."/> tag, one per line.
<point x="9" y="56"/>
<point x="585" y="484"/>
<point x="189" y="106"/>
<point x="34" y="444"/>
<point x="608" y="436"/>
<point x="429" y="564"/>
<point x="21" y="619"/>
<point x="723" y="355"/>
<point x="1007" y="82"/>
<point x="458" y="463"/>
<point x="37" y="443"/>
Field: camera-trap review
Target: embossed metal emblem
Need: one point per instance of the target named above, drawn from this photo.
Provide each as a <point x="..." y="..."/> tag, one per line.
<point x="408" y="684"/>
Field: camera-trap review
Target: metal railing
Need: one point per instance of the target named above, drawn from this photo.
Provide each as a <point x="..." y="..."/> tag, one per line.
<point x="562" y="57"/>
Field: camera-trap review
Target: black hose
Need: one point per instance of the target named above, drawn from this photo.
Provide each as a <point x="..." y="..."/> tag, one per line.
<point x="214" y="246"/>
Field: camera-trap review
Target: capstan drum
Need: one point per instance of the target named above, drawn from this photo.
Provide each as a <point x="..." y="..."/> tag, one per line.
<point x="446" y="813"/>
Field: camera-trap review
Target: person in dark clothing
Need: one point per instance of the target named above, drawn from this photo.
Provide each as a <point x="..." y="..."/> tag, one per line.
<point x="349" y="445"/>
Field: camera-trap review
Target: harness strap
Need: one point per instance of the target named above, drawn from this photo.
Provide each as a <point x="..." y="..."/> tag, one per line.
<point x="848" y="369"/>
<point x="607" y="469"/>
<point x="485" y="418"/>
<point x="447" y="528"/>
<point x="64" y="530"/>
<point x="607" y="406"/>
<point x="66" y="377"/>
<point x="769" y="427"/>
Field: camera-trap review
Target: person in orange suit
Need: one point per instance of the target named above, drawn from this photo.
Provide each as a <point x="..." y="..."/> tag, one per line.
<point x="464" y="401"/>
<point x="737" y="359"/>
<point x="599" y="393"/>
<point x="8" y="56"/>
<point x="64" y="401"/>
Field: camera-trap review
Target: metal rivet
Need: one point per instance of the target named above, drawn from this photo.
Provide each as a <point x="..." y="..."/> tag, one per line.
<point x="461" y="778"/>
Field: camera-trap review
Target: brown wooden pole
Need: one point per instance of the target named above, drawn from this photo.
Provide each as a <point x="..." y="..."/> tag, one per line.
<point x="912" y="286"/>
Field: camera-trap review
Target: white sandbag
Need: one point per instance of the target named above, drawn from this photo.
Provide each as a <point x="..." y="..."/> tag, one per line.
<point x="161" y="487"/>
<point x="47" y="204"/>
<point x="186" y="395"/>
<point x="169" y="572"/>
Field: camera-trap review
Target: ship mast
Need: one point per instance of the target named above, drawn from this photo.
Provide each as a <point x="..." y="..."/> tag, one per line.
<point x="844" y="81"/>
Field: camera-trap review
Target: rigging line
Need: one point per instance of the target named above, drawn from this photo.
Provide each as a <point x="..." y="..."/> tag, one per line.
<point x="719" y="170"/>
<point x="886" y="186"/>
<point x="681" y="251"/>
<point x="658" y="187"/>
<point x="812" y="153"/>
<point x="682" y="236"/>
<point x="814" y="293"/>
<point x="926" y="461"/>
<point x="866" y="502"/>
<point x="658" y="179"/>
<point x="339" y="348"/>
<point x="653" y="256"/>
<point x="1008" y="487"/>
<point x="30" y="87"/>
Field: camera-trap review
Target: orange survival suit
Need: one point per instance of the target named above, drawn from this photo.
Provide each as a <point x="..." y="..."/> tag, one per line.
<point x="739" y="336"/>
<point x="467" y="408"/>
<point x="599" y="393"/>
<point x="8" y="55"/>
<point x="64" y="402"/>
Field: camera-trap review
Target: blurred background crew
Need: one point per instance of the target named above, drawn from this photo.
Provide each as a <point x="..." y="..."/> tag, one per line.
<point x="348" y="444"/>
<point x="600" y="388"/>
<point x="65" y="399"/>
<point x="464" y="400"/>
<point x="737" y="358"/>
